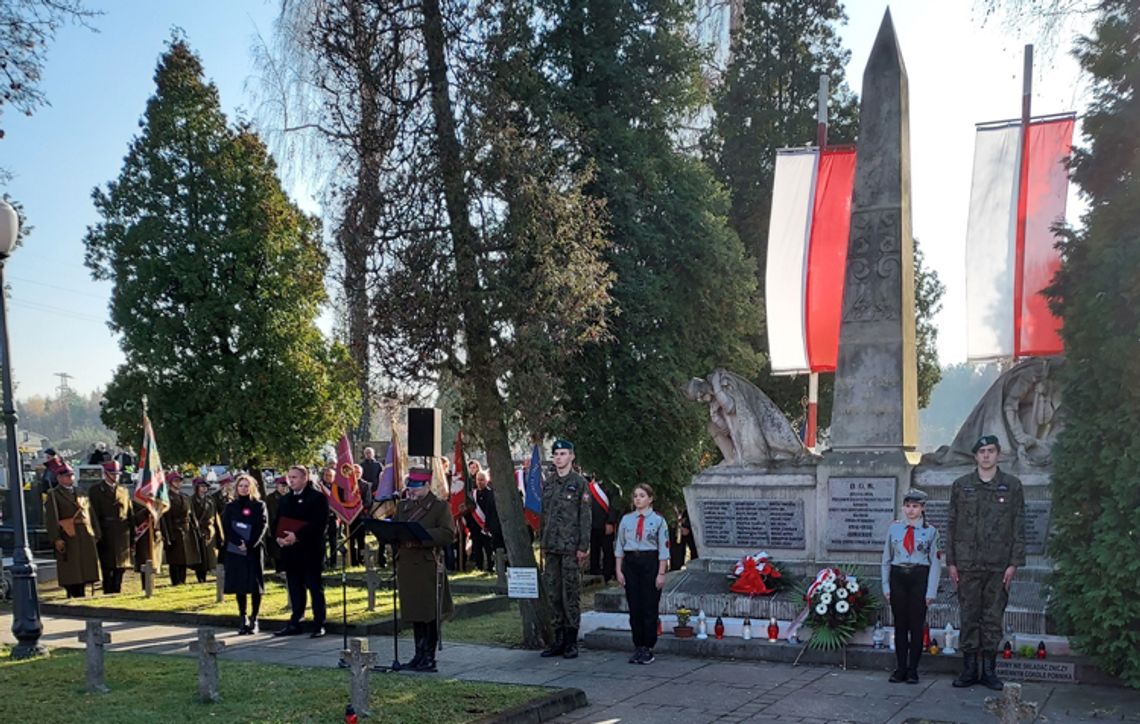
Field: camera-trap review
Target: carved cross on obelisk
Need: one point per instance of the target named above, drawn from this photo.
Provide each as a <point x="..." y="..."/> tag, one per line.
<point x="876" y="377"/>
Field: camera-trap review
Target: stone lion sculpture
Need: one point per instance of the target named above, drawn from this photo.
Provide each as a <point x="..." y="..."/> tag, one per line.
<point x="747" y="426"/>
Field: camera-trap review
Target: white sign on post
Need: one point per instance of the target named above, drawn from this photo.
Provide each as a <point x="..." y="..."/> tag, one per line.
<point x="522" y="582"/>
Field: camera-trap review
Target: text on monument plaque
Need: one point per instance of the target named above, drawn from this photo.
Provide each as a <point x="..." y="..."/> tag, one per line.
<point x="858" y="512"/>
<point x="754" y="523"/>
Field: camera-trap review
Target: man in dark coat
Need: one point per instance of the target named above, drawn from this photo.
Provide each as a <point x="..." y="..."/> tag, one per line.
<point x="422" y="580"/>
<point x="605" y="513"/>
<point x="111" y="509"/>
<point x="206" y="529"/>
<point x="72" y="533"/>
<point x="302" y="517"/>
<point x="178" y="532"/>
<point x="486" y="533"/>
<point x="371" y="468"/>
<point x="272" y="501"/>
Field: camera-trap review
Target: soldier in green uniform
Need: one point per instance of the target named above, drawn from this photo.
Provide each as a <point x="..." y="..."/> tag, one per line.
<point x="72" y="533"/>
<point x="111" y="509"/>
<point x="986" y="544"/>
<point x="565" y="539"/>
<point x="205" y="528"/>
<point x="424" y="593"/>
<point x="177" y="525"/>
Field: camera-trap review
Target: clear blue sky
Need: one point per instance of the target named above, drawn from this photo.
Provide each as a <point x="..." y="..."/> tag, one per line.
<point x="98" y="84"/>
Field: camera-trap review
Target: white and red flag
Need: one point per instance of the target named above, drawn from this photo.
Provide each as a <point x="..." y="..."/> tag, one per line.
<point x="807" y="256"/>
<point x="1011" y="253"/>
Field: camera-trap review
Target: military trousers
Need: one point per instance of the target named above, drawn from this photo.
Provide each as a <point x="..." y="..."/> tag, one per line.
<point x="981" y="605"/>
<point x="562" y="579"/>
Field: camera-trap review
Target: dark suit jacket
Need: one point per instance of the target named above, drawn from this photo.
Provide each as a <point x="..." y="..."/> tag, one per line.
<point x="312" y="507"/>
<point x="372" y="469"/>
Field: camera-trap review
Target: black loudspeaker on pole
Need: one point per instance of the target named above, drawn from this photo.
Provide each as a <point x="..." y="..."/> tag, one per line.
<point x="425" y="426"/>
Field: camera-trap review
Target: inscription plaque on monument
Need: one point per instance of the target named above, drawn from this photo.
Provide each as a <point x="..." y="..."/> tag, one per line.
<point x="1036" y="522"/>
<point x="858" y="512"/>
<point x="754" y="523"/>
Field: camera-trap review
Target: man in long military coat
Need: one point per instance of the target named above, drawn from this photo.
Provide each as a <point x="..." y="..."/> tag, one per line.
<point x="178" y="532"/>
<point x="205" y="528"/>
<point x="420" y="574"/>
<point x="111" y="509"/>
<point x="72" y="533"/>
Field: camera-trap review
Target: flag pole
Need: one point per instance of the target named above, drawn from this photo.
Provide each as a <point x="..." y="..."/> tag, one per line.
<point x="1022" y="200"/>
<point x="150" y="520"/>
<point x="813" y="377"/>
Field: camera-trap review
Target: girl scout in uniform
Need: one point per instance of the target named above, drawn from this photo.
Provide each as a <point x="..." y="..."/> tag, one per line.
<point x="641" y="550"/>
<point x="912" y="562"/>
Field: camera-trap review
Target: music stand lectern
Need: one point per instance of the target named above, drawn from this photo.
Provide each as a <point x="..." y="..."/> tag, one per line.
<point x="394" y="533"/>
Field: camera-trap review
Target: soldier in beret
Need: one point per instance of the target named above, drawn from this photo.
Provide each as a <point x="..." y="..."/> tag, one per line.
<point x="565" y="540"/>
<point x="178" y="531"/>
<point x="72" y="533"/>
<point x="986" y="544"/>
<point x="111" y="509"/>
<point x="422" y="580"/>
<point x="272" y="501"/>
<point x="205" y="528"/>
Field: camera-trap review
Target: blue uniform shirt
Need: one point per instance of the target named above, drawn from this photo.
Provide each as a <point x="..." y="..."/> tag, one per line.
<point x="927" y="552"/>
<point x="654" y="535"/>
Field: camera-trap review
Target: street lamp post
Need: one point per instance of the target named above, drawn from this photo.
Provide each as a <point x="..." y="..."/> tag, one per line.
<point x="26" y="624"/>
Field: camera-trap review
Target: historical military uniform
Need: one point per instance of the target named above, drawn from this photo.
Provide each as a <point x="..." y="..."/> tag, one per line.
<point x="420" y="570"/>
<point x="148" y="537"/>
<point x="72" y="533"/>
<point x="205" y="529"/>
<point x="986" y="535"/>
<point x="564" y="532"/>
<point x="911" y="567"/>
<point x="111" y="509"/>
<point x="178" y="533"/>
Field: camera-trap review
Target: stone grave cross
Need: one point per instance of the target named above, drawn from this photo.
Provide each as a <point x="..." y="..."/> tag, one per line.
<point x="359" y="660"/>
<point x="207" y="647"/>
<point x="148" y="571"/>
<point x="96" y="639"/>
<point x="371" y="577"/>
<point x="1009" y="707"/>
<point x="219" y="583"/>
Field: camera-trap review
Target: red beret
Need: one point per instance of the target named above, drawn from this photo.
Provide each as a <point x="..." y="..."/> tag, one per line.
<point x="174" y="477"/>
<point x="64" y="469"/>
<point x="111" y="466"/>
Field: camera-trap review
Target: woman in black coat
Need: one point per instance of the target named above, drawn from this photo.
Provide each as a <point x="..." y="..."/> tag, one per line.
<point x="244" y="522"/>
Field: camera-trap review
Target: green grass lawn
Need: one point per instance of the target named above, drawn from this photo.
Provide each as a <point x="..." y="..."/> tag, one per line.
<point x="148" y="688"/>
<point x="502" y="628"/>
<point x="199" y="598"/>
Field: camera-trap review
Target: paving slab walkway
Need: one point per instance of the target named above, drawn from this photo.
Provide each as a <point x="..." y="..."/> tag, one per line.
<point x="673" y="689"/>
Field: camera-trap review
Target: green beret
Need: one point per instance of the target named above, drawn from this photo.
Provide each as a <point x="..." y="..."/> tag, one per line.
<point x="563" y="445"/>
<point x="985" y="440"/>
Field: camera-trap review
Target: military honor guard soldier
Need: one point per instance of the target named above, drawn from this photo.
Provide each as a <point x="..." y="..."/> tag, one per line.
<point x="72" y="533"/>
<point x="424" y="594"/>
<point x="564" y="536"/>
<point x="205" y="528"/>
<point x="111" y="507"/>
<point x="641" y="549"/>
<point x="177" y="525"/>
<point x="911" y="566"/>
<point x="985" y="546"/>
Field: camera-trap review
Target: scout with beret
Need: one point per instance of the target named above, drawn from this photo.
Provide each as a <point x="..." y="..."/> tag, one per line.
<point x="424" y="593"/>
<point x="985" y="545"/>
<point x="111" y="507"/>
<point x="178" y="525"/>
<point x="911" y="566"/>
<point x="564" y="535"/>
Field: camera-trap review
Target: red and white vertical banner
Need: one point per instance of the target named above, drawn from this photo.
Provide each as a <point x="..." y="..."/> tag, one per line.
<point x="807" y="256"/>
<point x="1007" y="315"/>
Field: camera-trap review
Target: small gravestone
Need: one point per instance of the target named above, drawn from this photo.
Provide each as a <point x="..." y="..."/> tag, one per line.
<point x="359" y="660"/>
<point x="371" y="577"/>
<point x="147" y="569"/>
<point x="96" y="639"/>
<point x="1008" y="707"/>
<point x="219" y="583"/>
<point x="207" y="647"/>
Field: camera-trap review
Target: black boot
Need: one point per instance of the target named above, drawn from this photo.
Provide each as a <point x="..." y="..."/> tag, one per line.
<point x="912" y="675"/>
<point x="243" y="630"/>
<point x="989" y="672"/>
<point x="969" y="675"/>
<point x="557" y="645"/>
<point x="897" y="676"/>
<point x="570" y="639"/>
<point x="431" y="640"/>
<point x="418" y="634"/>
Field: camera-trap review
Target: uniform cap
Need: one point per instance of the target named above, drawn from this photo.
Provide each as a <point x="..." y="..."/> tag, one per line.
<point x="563" y="445"/>
<point x="174" y="477"/>
<point x="914" y="495"/>
<point x="280" y="480"/>
<point x="985" y="440"/>
<point x="64" y="469"/>
<point x="111" y="466"/>
<point x="201" y="481"/>
<point x="418" y="478"/>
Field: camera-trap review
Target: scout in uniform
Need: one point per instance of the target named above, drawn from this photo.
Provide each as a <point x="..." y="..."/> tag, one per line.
<point x="986" y="544"/>
<point x="641" y="550"/>
<point x="564" y="536"/>
<point x="912" y="563"/>
<point x="111" y="508"/>
<point x="424" y="593"/>
<point x="72" y="533"/>
<point x="178" y="525"/>
<point x="205" y="528"/>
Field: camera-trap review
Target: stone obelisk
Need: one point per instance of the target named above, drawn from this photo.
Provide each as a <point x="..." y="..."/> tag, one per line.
<point x="876" y="378"/>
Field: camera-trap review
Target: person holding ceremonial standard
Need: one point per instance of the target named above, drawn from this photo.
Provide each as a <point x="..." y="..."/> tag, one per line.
<point x="424" y="594"/>
<point x="302" y="516"/>
<point x="244" y="522"/>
